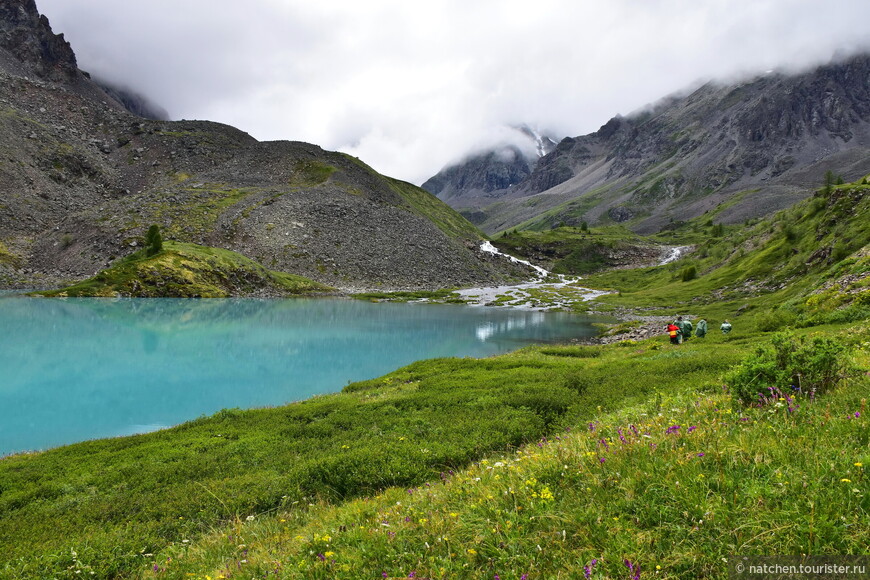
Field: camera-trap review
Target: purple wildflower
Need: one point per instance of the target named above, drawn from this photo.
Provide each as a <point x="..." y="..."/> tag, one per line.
<point x="322" y="557"/>
<point x="634" y="430"/>
<point x="384" y="575"/>
<point x="592" y="426"/>
<point x="672" y="429"/>
<point x="524" y="577"/>
<point x="587" y="570"/>
<point x="621" y="436"/>
<point x="634" y="569"/>
<point x="692" y="428"/>
<point x="857" y="414"/>
<point x="701" y="454"/>
<point x="412" y="574"/>
<point x="601" y="460"/>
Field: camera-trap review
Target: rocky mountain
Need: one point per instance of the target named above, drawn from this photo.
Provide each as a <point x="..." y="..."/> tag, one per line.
<point x="737" y="150"/>
<point x="472" y="181"/>
<point x="82" y="179"/>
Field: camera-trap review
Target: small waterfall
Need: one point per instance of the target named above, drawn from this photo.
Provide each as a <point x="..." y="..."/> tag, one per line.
<point x="490" y="249"/>
<point x="674" y="254"/>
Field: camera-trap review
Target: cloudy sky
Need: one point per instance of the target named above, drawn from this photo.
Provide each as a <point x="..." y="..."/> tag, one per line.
<point x="410" y="86"/>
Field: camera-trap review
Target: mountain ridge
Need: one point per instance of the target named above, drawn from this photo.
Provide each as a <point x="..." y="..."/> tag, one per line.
<point x="690" y="153"/>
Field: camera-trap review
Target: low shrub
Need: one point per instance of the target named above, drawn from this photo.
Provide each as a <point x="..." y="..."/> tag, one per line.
<point x="791" y="364"/>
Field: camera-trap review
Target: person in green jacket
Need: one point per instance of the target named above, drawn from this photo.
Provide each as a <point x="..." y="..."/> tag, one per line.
<point x="726" y="327"/>
<point x="701" y="329"/>
<point x="685" y="328"/>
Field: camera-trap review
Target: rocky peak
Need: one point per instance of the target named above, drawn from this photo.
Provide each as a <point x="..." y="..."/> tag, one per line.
<point x="27" y="36"/>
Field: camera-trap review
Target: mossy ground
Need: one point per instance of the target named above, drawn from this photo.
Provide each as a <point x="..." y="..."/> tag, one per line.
<point x="189" y="271"/>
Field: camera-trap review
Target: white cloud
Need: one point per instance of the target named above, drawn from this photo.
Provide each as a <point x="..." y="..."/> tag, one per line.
<point x="411" y="86"/>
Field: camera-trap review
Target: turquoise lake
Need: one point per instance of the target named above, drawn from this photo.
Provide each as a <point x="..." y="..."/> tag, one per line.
<point x="78" y="369"/>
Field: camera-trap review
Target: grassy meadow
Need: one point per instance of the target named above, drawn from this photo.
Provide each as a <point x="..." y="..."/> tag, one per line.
<point x="638" y="459"/>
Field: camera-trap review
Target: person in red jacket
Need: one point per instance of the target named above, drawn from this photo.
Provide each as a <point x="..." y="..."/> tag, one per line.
<point x="675" y="333"/>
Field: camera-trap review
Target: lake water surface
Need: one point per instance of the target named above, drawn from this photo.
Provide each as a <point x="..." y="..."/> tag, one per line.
<point x="77" y="369"/>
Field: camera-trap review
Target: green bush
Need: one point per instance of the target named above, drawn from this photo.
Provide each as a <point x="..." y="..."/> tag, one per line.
<point x="688" y="273"/>
<point x="775" y="319"/>
<point x="790" y="366"/>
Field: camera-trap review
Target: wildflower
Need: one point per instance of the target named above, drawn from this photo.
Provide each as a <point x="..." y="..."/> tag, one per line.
<point x="672" y="429"/>
<point x="322" y="557"/>
<point x="857" y="414"/>
<point x="859" y="464"/>
<point x="472" y="551"/>
<point x="844" y="480"/>
<point x="587" y="570"/>
<point x="692" y="428"/>
<point x="634" y="569"/>
<point x="601" y="459"/>
<point x="701" y="454"/>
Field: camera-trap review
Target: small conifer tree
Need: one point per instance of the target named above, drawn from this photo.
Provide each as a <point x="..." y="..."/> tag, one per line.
<point x="153" y="241"/>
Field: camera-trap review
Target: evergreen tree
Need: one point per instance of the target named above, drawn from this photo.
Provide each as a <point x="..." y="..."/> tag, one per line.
<point x="153" y="241"/>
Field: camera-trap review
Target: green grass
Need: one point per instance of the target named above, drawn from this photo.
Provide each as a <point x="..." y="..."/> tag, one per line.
<point x="111" y="501"/>
<point x="443" y="295"/>
<point x="677" y="484"/>
<point x="188" y="271"/>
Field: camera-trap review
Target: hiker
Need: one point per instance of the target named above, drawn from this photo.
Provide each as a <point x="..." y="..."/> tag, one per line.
<point x="674" y="333"/>
<point x="685" y="328"/>
<point x="701" y="330"/>
<point x="726" y="327"/>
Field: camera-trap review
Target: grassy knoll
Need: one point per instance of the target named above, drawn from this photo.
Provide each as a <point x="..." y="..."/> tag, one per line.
<point x="673" y="486"/>
<point x="102" y="505"/>
<point x="188" y="271"/>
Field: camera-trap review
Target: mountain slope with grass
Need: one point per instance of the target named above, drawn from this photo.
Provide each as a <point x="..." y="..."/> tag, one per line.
<point x="803" y="266"/>
<point x="83" y="179"/>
